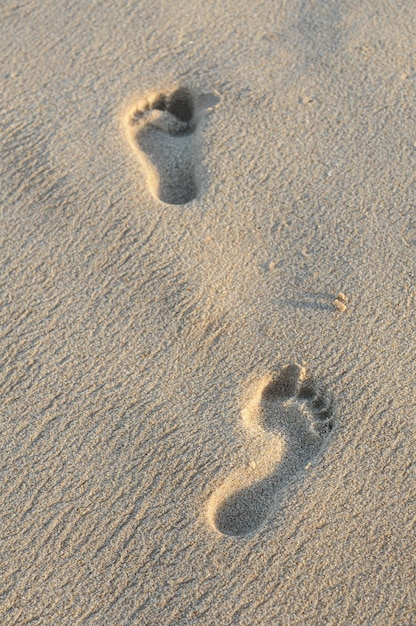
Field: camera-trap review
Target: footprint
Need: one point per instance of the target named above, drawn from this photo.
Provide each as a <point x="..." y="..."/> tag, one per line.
<point x="292" y="415"/>
<point x="161" y="129"/>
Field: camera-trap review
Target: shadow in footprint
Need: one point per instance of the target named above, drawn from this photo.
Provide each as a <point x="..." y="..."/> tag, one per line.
<point x="299" y="413"/>
<point x="162" y="131"/>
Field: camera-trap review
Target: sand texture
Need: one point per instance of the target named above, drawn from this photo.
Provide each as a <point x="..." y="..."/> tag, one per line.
<point x="207" y="309"/>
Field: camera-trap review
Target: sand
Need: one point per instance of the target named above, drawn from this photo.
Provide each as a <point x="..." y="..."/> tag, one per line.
<point x="208" y="243"/>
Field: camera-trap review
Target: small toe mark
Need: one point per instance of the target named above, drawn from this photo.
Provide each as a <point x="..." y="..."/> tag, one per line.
<point x="160" y="102"/>
<point x="324" y="416"/>
<point x="324" y="428"/>
<point x="307" y="390"/>
<point x="320" y="403"/>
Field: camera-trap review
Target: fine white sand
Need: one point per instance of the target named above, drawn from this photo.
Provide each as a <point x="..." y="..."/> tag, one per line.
<point x="194" y="428"/>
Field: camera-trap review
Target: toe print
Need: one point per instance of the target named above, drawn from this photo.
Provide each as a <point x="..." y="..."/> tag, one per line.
<point x="295" y="414"/>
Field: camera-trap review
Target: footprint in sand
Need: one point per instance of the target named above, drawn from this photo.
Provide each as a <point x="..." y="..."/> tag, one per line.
<point x="292" y="415"/>
<point x="162" y="131"/>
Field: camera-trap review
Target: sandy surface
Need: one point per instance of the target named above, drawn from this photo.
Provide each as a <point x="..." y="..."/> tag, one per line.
<point x="162" y="462"/>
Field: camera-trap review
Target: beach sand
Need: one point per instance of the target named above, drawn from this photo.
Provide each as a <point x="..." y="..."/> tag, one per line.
<point x="208" y="243"/>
